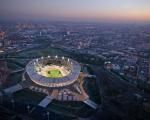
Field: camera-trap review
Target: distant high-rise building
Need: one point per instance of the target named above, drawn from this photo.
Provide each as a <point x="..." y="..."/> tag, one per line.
<point x="40" y="33"/>
<point x="143" y="68"/>
<point x="68" y="32"/>
<point x="2" y="35"/>
<point x="3" y="71"/>
<point x="1" y="44"/>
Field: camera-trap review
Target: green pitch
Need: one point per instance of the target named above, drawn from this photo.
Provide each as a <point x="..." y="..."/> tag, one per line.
<point x="54" y="73"/>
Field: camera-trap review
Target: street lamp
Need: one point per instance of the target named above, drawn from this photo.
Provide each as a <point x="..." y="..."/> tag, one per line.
<point x="13" y="105"/>
<point x="28" y="107"/>
<point x="47" y="115"/>
<point x="1" y="97"/>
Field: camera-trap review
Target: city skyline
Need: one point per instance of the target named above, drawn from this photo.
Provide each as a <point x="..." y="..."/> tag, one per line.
<point x="136" y="10"/>
<point x="74" y="59"/>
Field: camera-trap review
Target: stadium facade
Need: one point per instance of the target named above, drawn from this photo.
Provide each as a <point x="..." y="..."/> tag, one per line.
<point x="70" y="69"/>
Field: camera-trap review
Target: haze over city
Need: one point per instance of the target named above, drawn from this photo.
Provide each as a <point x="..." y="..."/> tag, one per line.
<point x="136" y="10"/>
<point x="74" y="59"/>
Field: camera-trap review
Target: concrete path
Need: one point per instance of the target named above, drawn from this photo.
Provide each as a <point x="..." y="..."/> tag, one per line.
<point x="13" y="89"/>
<point x="45" y="101"/>
<point x="91" y="103"/>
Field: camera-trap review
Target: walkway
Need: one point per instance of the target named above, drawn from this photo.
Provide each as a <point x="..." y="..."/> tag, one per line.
<point x="45" y="101"/>
<point x="16" y="71"/>
<point x="91" y="103"/>
<point x="13" y="89"/>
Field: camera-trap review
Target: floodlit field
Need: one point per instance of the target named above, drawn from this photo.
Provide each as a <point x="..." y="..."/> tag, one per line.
<point x="54" y="73"/>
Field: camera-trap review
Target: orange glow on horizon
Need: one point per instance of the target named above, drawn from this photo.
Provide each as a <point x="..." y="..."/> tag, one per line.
<point x="119" y="17"/>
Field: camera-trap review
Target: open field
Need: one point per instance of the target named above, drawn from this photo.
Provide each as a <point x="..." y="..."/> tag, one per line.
<point x="54" y="73"/>
<point x="28" y="96"/>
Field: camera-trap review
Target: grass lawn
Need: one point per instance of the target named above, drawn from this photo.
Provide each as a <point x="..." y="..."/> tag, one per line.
<point x="28" y="96"/>
<point x="91" y="88"/>
<point x="54" y="73"/>
<point x="12" y="79"/>
<point x="72" y="109"/>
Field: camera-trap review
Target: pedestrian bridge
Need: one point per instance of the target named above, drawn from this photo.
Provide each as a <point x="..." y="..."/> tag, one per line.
<point x="13" y="89"/>
<point x="91" y="103"/>
<point x="45" y="101"/>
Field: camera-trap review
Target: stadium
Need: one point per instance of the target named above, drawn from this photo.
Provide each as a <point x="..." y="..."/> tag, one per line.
<point x="53" y="71"/>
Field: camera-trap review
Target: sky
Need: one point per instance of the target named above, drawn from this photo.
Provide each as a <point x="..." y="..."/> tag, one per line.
<point x="75" y="9"/>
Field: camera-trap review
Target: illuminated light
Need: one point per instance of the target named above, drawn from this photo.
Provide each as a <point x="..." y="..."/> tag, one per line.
<point x="49" y="81"/>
